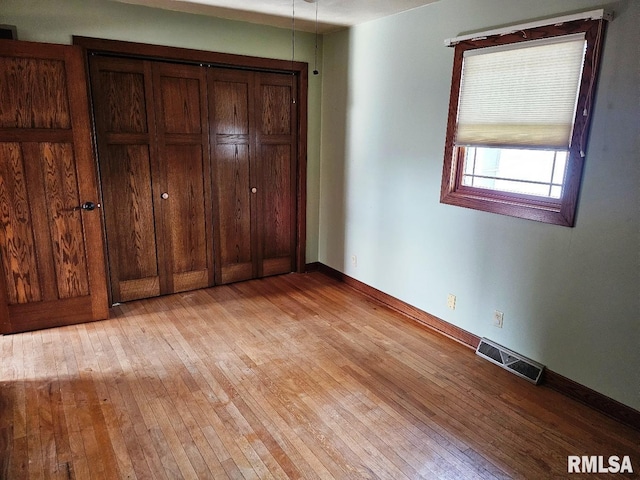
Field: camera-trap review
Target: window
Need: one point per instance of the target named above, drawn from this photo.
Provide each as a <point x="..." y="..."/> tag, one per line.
<point x="518" y="120"/>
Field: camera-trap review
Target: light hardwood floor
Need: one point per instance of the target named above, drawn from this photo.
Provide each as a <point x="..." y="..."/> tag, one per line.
<point x="296" y="376"/>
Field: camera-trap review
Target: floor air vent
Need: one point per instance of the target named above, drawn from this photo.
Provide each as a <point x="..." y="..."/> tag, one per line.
<point x="516" y="363"/>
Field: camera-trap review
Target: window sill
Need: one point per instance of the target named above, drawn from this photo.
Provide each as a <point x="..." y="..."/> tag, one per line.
<point x="513" y="206"/>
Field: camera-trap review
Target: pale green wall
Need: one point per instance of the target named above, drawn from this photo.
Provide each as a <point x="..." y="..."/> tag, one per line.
<point x="55" y="21"/>
<point x="570" y="296"/>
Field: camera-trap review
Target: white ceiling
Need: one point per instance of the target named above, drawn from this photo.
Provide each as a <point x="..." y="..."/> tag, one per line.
<point x="332" y="14"/>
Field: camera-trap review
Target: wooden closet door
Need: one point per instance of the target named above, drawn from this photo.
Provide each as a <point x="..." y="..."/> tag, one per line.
<point x="276" y="168"/>
<point x="127" y="153"/>
<point x="153" y="144"/>
<point x="232" y="138"/>
<point x="51" y="249"/>
<point x="184" y="205"/>
<point x="253" y="124"/>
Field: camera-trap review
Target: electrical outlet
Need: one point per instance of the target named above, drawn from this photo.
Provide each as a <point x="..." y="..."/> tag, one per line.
<point x="498" y="318"/>
<point x="354" y="261"/>
<point x="451" y="301"/>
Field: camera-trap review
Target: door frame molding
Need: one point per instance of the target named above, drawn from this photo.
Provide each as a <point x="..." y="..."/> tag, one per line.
<point x="299" y="70"/>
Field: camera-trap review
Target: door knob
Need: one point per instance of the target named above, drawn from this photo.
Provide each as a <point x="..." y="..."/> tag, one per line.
<point x="88" y="206"/>
<point x="164" y="196"/>
<point x="254" y="190"/>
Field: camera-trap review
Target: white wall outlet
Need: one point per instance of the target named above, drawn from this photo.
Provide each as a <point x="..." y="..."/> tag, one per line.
<point x="498" y="318"/>
<point x="451" y="301"/>
<point x="354" y="260"/>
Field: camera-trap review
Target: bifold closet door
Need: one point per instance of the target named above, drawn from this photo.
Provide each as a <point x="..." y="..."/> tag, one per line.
<point x="276" y="169"/>
<point x="253" y="136"/>
<point x="151" y="123"/>
<point x="127" y="155"/>
<point x="51" y="248"/>
<point x="184" y="215"/>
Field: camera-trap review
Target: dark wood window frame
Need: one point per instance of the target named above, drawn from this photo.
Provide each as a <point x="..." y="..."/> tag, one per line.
<point x="298" y="70"/>
<point x="563" y="210"/>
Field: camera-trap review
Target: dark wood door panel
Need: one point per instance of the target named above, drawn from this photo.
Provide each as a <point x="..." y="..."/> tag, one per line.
<point x="185" y="212"/>
<point x="249" y="106"/>
<point x="254" y="146"/>
<point x="180" y="99"/>
<point x="60" y="206"/>
<point x="276" y="144"/>
<point x="34" y="93"/>
<point x="277" y="210"/>
<point x="119" y="88"/>
<point x="42" y="238"/>
<point x="233" y="138"/>
<point x="223" y="149"/>
<point x="180" y="95"/>
<point x="125" y="129"/>
<point x="51" y="250"/>
<point x="129" y="219"/>
<point x="53" y="313"/>
<point x="231" y="108"/>
<point x="275" y="99"/>
<point x="17" y="244"/>
<point x="235" y="252"/>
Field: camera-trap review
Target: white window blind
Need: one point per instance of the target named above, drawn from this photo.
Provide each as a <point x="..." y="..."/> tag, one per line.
<point x="521" y="94"/>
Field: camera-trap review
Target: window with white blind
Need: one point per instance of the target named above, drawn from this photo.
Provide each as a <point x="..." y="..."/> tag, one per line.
<point x="518" y="120"/>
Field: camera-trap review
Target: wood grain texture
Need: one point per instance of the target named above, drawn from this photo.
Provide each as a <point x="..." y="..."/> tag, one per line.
<point x="65" y="222"/>
<point x="232" y="126"/>
<point x="16" y="237"/>
<point x="431" y="321"/>
<point x="184" y="219"/>
<point x="553" y="380"/>
<point x="129" y="212"/>
<point x="124" y="95"/>
<point x="139" y="288"/>
<point x="125" y="129"/>
<point x="34" y="93"/>
<point x="186" y="55"/>
<point x="47" y="170"/>
<point x="276" y="143"/>
<point x="232" y="123"/>
<point x="294" y="376"/>
<point x="186" y="207"/>
<point x="153" y="141"/>
<point x="254" y="124"/>
<point x="277" y="202"/>
<point x="276" y="101"/>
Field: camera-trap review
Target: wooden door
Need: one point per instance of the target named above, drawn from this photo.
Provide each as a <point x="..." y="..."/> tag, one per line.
<point x="233" y="139"/>
<point x="275" y="166"/>
<point x="254" y="144"/>
<point x="183" y="214"/>
<point x="127" y="153"/>
<point x="51" y="249"/>
<point x="151" y="122"/>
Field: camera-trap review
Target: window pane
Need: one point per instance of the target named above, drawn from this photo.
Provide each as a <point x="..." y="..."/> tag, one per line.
<point x="530" y="172"/>
<point x="532" y="165"/>
<point x="487" y="161"/>
<point x="484" y="183"/>
<point x="560" y="168"/>
<point x="520" y="187"/>
<point x="469" y="161"/>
